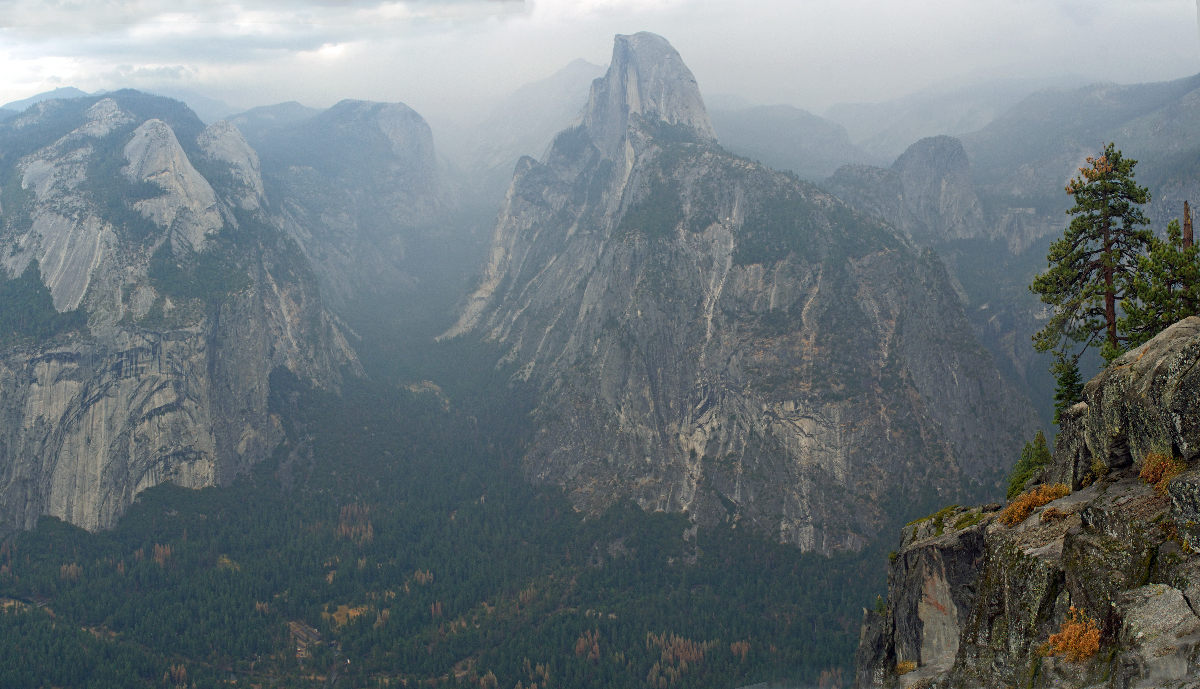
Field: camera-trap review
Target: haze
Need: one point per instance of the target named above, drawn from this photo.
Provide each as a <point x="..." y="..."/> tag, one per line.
<point x="451" y="60"/>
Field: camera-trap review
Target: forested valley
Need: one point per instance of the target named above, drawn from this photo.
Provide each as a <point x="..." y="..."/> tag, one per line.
<point x="392" y="539"/>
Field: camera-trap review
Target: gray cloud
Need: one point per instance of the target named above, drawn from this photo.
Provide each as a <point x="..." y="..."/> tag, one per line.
<point x="451" y="58"/>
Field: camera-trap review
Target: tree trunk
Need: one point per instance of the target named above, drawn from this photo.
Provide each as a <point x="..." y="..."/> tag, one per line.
<point x="1110" y="294"/>
<point x="1187" y="226"/>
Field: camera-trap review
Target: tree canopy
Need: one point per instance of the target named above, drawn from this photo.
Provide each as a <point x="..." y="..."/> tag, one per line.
<point x="1166" y="287"/>
<point x="1093" y="267"/>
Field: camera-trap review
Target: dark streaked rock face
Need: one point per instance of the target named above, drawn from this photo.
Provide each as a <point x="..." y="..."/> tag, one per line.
<point x="713" y="336"/>
<point x="171" y="383"/>
<point x="989" y="595"/>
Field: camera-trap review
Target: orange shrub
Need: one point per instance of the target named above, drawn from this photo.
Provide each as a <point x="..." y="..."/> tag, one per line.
<point x="1018" y="510"/>
<point x="1079" y="638"/>
<point x="906" y="667"/>
<point x="1158" y="469"/>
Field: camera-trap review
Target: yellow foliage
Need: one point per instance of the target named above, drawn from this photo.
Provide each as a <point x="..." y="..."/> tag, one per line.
<point x="588" y="644"/>
<point x="1079" y="638"/>
<point x="1019" y="509"/>
<point x="740" y="648"/>
<point x="905" y="667"/>
<point x="162" y="553"/>
<point x="344" y="614"/>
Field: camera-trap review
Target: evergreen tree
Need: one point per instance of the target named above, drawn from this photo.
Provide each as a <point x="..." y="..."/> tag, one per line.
<point x="1068" y="390"/>
<point x="1167" y="286"/>
<point x="1093" y="266"/>
<point x="1034" y="456"/>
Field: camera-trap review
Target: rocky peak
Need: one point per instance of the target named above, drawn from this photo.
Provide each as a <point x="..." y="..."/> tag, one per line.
<point x="188" y="207"/>
<point x="224" y="142"/>
<point x="648" y="78"/>
<point x="927" y="193"/>
<point x="703" y="329"/>
<point x="408" y="133"/>
<point x="936" y="178"/>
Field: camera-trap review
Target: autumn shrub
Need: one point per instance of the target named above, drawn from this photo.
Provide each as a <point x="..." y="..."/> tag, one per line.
<point x="1077" y="640"/>
<point x="1018" y="510"/>
<point x="1159" y="468"/>
<point x="906" y="667"/>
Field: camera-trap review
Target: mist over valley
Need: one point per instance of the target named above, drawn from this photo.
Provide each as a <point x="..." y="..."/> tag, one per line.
<point x="589" y="377"/>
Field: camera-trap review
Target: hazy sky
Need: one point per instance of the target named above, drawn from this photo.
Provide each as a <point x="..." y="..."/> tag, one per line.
<point x="450" y="59"/>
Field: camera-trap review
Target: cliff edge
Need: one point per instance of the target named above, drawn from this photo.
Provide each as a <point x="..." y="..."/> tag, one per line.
<point x="975" y="595"/>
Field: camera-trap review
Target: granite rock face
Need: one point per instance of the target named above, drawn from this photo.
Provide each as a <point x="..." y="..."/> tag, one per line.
<point x="171" y="381"/>
<point x="712" y="336"/>
<point x="1116" y="549"/>
<point x="927" y="193"/>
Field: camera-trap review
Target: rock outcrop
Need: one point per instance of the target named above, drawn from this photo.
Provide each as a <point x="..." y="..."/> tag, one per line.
<point x="712" y="336"/>
<point x="192" y="297"/>
<point x="973" y="600"/>
<point x="927" y="193"/>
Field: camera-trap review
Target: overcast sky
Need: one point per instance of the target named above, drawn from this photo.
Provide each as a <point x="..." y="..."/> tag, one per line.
<point x="450" y="59"/>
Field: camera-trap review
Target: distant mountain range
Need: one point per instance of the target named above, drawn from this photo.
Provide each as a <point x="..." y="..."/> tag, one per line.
<point x="209" y="110"/>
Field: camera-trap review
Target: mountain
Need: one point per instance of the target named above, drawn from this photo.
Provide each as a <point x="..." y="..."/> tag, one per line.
<point x="149" y="297"/>
<point x="257" y="123"/>
<point x="525" y="122"/>
<point x="884" y="130"/>
<point x="1101" y="535"/>
<point x="357" y="186"/>
<point x="209" y="110"/>
<point x="61" y="92"/>
<point x="787" y="138"/>
<point x="997" y="208"/>
<point x="482" y="157"/>
<point x="6" y="113"/>
<point x="928" y="193"/>
<point x="708" y="335"/>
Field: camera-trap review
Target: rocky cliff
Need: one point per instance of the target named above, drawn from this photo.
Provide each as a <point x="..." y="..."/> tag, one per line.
<point x="355" y="186"/>
<point x="973" y="598"/>
<point x="151" y="224"/>
<point x="712" y="336"/>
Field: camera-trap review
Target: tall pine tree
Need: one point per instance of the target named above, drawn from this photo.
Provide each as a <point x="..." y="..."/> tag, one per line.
<point x="1092" y="268"/>
<point x="1167" y="286"/>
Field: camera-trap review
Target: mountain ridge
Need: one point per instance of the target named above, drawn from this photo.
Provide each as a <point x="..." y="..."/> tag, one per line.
<point x="702" y="329"/>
